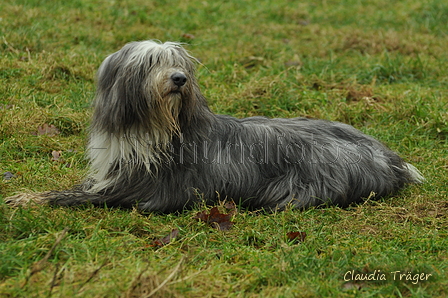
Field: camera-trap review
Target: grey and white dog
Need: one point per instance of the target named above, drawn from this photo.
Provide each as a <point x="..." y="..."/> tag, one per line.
<point x="155" y="144"/>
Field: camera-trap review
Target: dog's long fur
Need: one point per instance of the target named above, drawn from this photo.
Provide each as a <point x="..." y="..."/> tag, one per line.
<point x="155" y="144"/>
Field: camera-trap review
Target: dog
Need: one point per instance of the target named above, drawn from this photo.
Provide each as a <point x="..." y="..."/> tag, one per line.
<point x="154" y="144"/>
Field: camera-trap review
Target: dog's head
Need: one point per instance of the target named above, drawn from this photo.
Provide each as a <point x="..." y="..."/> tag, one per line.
<point x="145" y="86"/>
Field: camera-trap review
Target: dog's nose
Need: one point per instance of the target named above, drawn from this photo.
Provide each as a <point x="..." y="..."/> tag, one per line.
<point x="179" y="79"/>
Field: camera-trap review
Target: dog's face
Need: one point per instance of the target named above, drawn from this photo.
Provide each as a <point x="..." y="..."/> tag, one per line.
<point x="145" y="84"/>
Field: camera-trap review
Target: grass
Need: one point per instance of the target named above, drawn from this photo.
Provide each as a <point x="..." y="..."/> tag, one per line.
<point x="378" y="65"/>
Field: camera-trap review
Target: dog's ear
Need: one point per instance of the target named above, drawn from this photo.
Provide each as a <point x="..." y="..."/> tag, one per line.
<point x="120" y="101"/>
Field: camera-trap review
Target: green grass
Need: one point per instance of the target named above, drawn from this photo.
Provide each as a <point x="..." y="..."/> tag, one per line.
<point x="378" y="65"/>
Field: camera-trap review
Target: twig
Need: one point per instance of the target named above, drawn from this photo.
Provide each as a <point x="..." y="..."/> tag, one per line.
<point x="163" y="283"/>
<point x="12" y="49"/>
<point x="53" y="280"/>
<point x="40" y="265"/>
<point x="135" y="282"/>
<point x="93" y="274"/>
<point x="184" y="278"/>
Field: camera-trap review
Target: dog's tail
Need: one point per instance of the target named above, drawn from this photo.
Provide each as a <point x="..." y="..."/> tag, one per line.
<point x="71" y="197"/>
<point x="414" y="175"/>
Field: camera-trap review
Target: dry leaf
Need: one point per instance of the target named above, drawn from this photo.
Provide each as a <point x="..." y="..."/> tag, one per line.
<point x="188" y="36"/>
<point x="231" y="207"/>
<point x="296" y="236"/>
<point x="216" y="219"/>
<point x="8" y="175"/>
<point x="167" y="239"/>
<point x="56" y="156"/>
<point x="49" y="130"/>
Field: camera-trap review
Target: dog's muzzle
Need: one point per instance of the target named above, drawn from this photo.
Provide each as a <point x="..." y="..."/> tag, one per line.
<point x="179" y="79"/>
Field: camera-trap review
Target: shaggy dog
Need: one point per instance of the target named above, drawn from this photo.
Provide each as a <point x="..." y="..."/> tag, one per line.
<point x="155" y="144"/>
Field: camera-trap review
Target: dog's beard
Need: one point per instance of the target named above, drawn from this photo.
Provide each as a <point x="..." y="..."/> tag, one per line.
<point x="167" y="105"/>
<point x="173" y="107"/>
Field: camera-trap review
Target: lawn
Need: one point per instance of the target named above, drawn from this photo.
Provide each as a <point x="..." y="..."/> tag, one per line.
<point x="380" y="66"/>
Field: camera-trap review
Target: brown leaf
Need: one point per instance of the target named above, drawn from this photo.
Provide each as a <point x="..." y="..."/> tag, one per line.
<point x="8" y="175"/>
<point x="49" y="130"/>
<point x="353" y="286"/>
<point x="188" y="36"/>
<point x="296" y="236"/>
<point x="57" y="156"/>
<point x="216" y="219"/>
<point x="167" y="239"/>
<point x="292" y="63"/>
<point x="231" y="207"/>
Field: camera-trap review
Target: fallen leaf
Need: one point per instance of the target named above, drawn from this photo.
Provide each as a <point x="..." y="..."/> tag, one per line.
<point x="49" y="130"/>
<point x="292" y="63"/>
<point x="216" y="219"/>
<point x="303" y="22"/>
<point x="6" y="107"/>
<point x="231" y="207"/>
<point x="188" y="36"/>
<point x="353" y="286"/>
<point x="56" y="156"/>
<point x="296" y="236"/>
<point x="8" y="175"/>
<point x="167" y="239"/>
